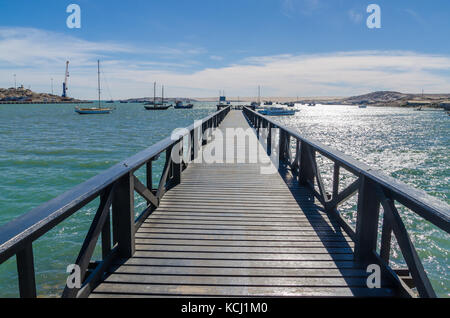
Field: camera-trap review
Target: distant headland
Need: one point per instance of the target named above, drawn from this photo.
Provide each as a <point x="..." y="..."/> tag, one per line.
<point x="22" y="95"/>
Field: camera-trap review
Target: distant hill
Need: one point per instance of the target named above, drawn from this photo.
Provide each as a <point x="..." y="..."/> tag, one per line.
<point x="388" y="98"/>
<point x="25" y="95"/>
<point x="384" y="97"/>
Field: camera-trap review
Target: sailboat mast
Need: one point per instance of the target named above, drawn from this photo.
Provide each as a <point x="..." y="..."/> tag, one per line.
<point x="162" y="97"/>
<point x="98" y="69"/>
<point x="154" y="94"/>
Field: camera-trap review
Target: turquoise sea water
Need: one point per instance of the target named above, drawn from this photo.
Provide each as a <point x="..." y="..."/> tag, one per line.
<point x="47" y="149"/>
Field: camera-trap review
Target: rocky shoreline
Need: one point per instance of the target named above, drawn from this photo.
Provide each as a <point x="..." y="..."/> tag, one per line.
<point x="25" y="96"/>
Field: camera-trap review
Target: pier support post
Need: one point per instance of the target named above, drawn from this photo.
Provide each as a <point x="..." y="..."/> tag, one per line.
<point x="123" y="216"/>
<point x="366" y="221"/>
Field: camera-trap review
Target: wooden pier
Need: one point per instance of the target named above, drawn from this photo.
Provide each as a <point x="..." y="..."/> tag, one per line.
<point x="226" y="229"/>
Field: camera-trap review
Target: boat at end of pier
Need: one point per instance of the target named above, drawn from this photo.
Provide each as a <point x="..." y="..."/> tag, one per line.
<point x="277" y="111"/>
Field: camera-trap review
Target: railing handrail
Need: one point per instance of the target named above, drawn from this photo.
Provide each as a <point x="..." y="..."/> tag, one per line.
<point x="420" y="202"/>
<point x="30" y="226"/>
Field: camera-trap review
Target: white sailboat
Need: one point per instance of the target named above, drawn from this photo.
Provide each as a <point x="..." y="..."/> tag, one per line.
<point x="95" y="110"/>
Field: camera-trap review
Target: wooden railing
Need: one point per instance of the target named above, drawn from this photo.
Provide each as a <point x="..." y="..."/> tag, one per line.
<point x="115" y="187"/>
<point x="374" y="189"/>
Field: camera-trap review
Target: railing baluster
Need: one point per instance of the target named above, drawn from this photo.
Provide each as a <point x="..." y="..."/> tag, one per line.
<point x="149" y="177"/>
<point x="25" y="269"/>
<point x="192" y="144"/>
<point x="123" y="215"/>
<point x="306" y="164"/>
<point x="366" y="220"/>
<point x="336" y="175"/>
<point x="177" y="166"/>
<point x="106" y="237"/>
<point x="386" y="233"/>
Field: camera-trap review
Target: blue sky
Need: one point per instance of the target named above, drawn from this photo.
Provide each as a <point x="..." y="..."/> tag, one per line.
<point x="290" y="47"/>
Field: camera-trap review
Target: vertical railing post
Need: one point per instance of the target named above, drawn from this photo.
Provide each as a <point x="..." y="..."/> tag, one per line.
<point x="204" y="137"/>
<point x="106" y="237"/>
<point x="284" y="142"/>
<point x="366" y="220"/>
<point x="123" y="216"/>
<point x="149" y="176"/>
<point x="255" y="124"/>
<point x="177" y="165"/>
<point x="307" y="155"/>
<point x="192" y="141"/>
<point x="386" y="234"/>
<point x="269" y="139"/>
<point x="281" y="145"/>
<point x="25" y="269"/>
<point x="336" y="174"/>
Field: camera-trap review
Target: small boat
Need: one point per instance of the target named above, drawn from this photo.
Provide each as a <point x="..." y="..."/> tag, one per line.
<point x="222" y="102"/>
<point x="312" y="104"/>
<point x="362" y="106"/>
<point x="290" y="104"/>
<point x="92" y="111"/>
<point x="268" y="103"/>
<point x="155" y="105"/>
<point x="123" y="102"/>
<point x="179" y="105"/>
<point x="110" y="102"/>
<point x="95" y="110"/>
<point x="277" y="111"/>
<point x="418" y="109"/>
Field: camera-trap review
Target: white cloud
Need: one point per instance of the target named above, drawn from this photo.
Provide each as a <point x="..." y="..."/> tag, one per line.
<point x="340" y="73"/>
<point x="34" y="47"/>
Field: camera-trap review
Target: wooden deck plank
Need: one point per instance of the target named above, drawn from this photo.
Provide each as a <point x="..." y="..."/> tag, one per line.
<point x="239" y="272"/>
<point x="228" y="230"/>
<point x="147" y="290"/>
<point x="241" y="243"/>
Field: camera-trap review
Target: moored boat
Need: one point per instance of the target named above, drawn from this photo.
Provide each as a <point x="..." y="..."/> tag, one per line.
<point x="155" y="105"/>
<point x="89" y="111"/>
<point x="95" y="110"/>
<point x="179" y="105"/>
<point x="277" y="111"/>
